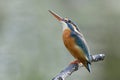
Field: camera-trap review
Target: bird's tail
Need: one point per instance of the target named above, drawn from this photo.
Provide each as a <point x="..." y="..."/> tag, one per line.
<point x="88" y="66"/>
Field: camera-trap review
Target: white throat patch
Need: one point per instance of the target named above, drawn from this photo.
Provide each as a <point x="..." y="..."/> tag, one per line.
<point x="64" y="25"/>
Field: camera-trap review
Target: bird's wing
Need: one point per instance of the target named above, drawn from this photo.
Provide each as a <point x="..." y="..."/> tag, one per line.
<point x="80" y="41"/>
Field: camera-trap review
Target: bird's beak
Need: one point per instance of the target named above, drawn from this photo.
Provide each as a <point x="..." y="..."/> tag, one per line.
<point x="56" y="16"/>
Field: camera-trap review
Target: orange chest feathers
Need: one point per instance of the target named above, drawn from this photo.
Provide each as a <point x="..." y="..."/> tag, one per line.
<point x="67" y="39"/>
<point x="70" y="44"/>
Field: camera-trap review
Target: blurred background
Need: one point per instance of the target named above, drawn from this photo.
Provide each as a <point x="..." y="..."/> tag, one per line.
<point x="31" y="46"/>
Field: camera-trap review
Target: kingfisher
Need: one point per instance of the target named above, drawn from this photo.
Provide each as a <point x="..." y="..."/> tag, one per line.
<point x="74" y="41"/>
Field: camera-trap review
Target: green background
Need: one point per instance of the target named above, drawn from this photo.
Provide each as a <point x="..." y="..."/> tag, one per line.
<point x="31" y="46"/>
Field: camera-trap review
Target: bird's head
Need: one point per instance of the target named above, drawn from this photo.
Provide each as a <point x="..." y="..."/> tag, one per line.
<point x="66" y="23"/>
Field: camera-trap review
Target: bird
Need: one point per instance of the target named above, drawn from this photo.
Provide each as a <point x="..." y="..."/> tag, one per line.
<point x="74" y="41"/>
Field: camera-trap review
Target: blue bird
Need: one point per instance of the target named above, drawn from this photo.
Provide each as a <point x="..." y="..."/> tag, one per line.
<point x="74" y="41"/>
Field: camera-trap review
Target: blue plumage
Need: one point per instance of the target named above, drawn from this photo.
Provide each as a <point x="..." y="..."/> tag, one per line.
<point x="74" y="41"/>
<point x="79" y="41"/>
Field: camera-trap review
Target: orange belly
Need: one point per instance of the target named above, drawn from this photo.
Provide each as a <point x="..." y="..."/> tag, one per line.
<point x="73" y="48"/>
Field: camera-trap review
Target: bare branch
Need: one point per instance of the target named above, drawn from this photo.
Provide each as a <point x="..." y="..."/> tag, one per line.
<point x="74" y="67"/>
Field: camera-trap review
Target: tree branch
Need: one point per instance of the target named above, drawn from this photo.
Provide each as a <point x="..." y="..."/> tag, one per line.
<point x="74" y="67"/>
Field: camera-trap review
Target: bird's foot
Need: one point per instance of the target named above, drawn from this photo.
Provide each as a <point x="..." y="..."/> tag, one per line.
<point x="75" y="62"/>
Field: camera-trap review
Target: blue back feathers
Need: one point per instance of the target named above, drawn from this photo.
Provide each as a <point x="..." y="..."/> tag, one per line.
<point x="80" y="43"/>
<point x="79" y="40"/>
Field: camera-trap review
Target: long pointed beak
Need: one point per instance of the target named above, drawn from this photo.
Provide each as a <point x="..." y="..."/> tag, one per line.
<point x="56" y="15"/>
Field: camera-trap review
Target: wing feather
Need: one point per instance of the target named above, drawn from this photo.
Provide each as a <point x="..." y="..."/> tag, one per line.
<point x="80" y="41"/>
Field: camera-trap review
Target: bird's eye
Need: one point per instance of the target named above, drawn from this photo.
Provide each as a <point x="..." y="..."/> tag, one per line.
<point x="69" y="21"/>
<point x="65" y="20"/>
